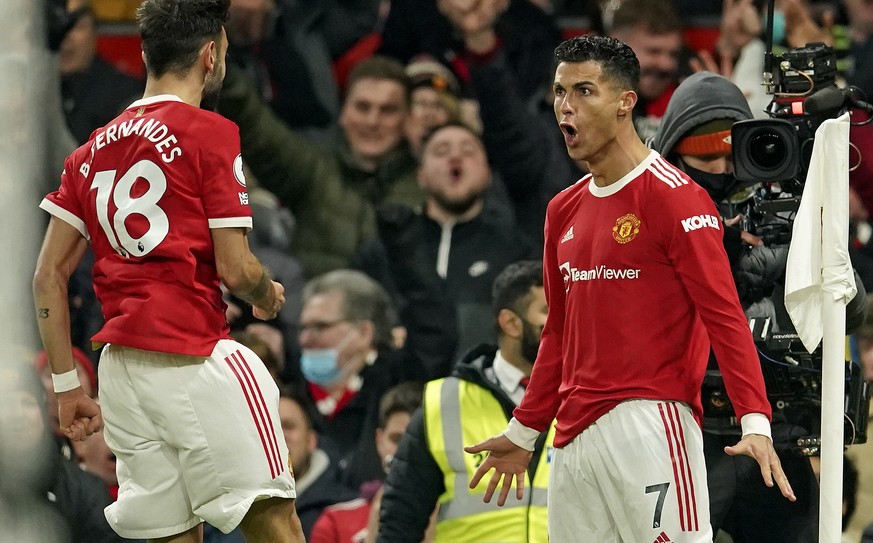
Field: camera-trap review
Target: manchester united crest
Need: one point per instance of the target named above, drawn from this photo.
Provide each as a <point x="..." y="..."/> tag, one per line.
<point x="626" y="228"/>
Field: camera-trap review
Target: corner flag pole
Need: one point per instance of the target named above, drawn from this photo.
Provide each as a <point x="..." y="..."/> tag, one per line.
<point x="819" y="283"/>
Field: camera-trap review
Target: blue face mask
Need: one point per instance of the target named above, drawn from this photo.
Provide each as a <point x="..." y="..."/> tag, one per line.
<point x="320" y="366"/>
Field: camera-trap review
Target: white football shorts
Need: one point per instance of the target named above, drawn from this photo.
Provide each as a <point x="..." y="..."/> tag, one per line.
<point x="195" y="438"/>
<point x="637" y="475"/>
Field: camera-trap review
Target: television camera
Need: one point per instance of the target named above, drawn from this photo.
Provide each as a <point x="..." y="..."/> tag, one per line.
<point x="771" y="159"/>
<point x="794" y="381"/>
<point x="778" y="149"/>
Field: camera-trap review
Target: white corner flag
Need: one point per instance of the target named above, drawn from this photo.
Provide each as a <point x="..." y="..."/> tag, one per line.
<point x="819" y="282"/>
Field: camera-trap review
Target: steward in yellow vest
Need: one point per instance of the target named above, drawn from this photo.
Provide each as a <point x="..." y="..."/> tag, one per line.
<point x="432" y="468"/>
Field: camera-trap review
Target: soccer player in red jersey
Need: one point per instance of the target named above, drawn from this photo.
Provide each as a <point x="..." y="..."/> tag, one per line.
<point x="638" y="285"/>
<point x="159" y="193"/>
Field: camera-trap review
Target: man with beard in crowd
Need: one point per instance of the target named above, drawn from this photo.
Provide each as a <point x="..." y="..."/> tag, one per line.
<point x="431" y="468"/>
<point x="459" y="243"/>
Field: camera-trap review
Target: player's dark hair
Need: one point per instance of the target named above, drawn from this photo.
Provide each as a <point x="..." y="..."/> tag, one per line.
<point x="616" y="59"/>
<point x="381" y="68"/>
<point x="511" y="288"/>
<point x="173" y="31"/>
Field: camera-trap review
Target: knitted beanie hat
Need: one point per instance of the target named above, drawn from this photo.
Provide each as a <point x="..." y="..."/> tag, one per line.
<point x="710" y="138"/>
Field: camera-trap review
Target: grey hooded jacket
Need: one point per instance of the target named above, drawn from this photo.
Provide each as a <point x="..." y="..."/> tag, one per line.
<point x="701" y="98"/>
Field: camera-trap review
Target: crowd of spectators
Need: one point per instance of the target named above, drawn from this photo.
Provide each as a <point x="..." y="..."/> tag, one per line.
<point x="400" y="155"/>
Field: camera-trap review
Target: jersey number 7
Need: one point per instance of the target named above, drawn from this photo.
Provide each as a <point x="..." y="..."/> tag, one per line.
<point x="661" y="489"/>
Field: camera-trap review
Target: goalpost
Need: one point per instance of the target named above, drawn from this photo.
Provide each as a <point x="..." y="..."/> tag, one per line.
<point x="28" y="92"/>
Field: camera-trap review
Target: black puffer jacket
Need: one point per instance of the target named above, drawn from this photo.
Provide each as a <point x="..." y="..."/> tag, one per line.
<point x="471" y="254"/>
<point x="758" y="270"/>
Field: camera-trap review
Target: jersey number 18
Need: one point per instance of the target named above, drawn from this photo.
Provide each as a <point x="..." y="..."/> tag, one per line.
<point x="145" y="205"/>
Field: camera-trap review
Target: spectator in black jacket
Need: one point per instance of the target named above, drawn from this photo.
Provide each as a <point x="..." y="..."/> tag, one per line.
<point x="459" y="243"/>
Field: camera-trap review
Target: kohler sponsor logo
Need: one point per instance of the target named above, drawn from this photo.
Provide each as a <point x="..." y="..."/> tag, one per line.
<point x="700" y="221"/>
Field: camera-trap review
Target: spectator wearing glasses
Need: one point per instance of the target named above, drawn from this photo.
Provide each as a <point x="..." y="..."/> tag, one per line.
<point x="348" y="361"/>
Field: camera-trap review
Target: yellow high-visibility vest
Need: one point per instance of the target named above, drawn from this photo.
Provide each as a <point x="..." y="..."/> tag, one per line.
<point x="459" y="413"/>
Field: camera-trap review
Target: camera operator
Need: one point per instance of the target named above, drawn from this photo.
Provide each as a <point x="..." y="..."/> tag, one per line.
<point x="695" y="136"/>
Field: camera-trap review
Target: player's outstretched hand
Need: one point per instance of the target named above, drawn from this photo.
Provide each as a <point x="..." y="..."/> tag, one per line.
<point x="276" y="301"/>
<point x="508" y="460"/>
<point x="761" y="449"/>
<point x="78" y="414"/>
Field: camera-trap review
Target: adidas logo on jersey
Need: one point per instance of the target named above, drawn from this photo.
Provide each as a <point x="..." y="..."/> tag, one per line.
<point x="662" y="538"/>
<point x="568" y="236"/>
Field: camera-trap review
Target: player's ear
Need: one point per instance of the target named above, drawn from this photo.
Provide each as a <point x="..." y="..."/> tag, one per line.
<point x="627" y="101"/>
<point x="209" y="54"/>
<point x="510" y="323"/>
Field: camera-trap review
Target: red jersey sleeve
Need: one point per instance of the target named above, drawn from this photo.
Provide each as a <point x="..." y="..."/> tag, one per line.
<point x="693" y="233"/>
<point x="542" y="396"/>
<point x="66" y="203"/>
<point x="224" y="193"/>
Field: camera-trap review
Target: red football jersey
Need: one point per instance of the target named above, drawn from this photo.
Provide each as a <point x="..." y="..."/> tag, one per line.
<point x="145" y="190"/>
<point x="638" y="284"/>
